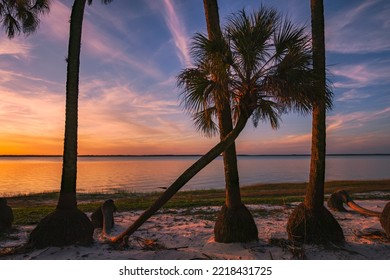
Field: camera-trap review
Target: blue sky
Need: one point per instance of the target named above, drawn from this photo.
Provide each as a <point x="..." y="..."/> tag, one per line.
<point x="131" y="54"/>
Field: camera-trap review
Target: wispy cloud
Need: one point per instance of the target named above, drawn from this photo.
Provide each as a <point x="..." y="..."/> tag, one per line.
<point x="361" y="29"/>
<point x="56" y="24"/>
<point x="16" y="77"/>
<point x="112" y="119"/>
<point x="361" y="74"/>
<point x="353" y="95"/>
<point x="40" y="114"/>
<point x="109" y="49"/>
<point x="179" y="34"/>
<point x="355" y="120"/>
<point x="95" y="41"/>
<point x="15" y="47"/>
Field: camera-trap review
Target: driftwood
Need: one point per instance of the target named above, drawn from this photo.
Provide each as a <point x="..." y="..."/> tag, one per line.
<point x="6" y="215"/>
<point x="103" y="216"/>
<point x="337" y="200"/>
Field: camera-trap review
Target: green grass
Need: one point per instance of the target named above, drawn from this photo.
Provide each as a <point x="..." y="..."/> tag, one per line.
<point x="29" y="209"/>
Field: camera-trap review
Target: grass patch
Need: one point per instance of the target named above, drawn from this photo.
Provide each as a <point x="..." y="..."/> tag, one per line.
<point x="31" y="215"/>
<point x="29" y="209"/>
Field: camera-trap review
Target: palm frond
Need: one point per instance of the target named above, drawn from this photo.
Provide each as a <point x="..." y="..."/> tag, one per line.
<point x="11" y="25"/>
<point x="261" y="64"/>
<point x="22" y="16"/>
<point x="289" y="38"/>
<point x="28" y="19"/>
<point x="197" y="89"/>
<point x="267" y="110"/>
<point x="204" y="122"/>
<point x="41" y="6"/>
<point x="249" y="36"/>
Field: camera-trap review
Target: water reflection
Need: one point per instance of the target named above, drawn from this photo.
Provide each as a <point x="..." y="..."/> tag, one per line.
<point x="102" y="174"/>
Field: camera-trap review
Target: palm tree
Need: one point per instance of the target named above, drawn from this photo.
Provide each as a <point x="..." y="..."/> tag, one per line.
<point x="264" y="66"/>
<point x="67" y="224"/>
<point x="234" y="222"/>
<point x="21" y="16"/>
<point x="311" y="222"/>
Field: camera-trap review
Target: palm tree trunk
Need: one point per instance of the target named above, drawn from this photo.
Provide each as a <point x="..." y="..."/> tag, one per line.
<point x="232" y="186"/>
<point x="68" y="225"/>
<point x="67" y="197"/>
<point x="212" y="18"/>
<point x="311" y="222"/>
<point x="234" y="222"/>
<point x="186" y="176"/>
<point x="315" y="193"/>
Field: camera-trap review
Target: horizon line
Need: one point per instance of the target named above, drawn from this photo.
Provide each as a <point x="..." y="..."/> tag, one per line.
<point x="193" y="155"/>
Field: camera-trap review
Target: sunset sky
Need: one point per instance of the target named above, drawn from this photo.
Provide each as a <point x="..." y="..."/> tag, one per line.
<point x="130" y="56"/>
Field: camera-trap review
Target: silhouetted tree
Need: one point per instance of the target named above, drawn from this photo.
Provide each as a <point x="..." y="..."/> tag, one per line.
<point x="6" y="215"/>
<point x="264" y="66"/>
<point x="234" y="222"/>
<point x="311" y="222"/>
<point x="67" y="224"/>
<point x="21" y="16"/>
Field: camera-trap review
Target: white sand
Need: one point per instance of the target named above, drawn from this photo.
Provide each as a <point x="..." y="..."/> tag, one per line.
<point x="176" y="235"/>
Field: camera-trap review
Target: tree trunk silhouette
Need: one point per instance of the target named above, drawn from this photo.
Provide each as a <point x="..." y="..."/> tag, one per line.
<point x="385" y="219"/>
<point x="311" y="222"/>
<point x="67" y="224"/>
<point x="186" y="176"/>
<point x="6" y="215"/>
<point x="234" y="222"/>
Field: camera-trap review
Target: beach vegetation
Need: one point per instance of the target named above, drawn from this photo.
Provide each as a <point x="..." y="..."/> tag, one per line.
<point x="30" y="209"/>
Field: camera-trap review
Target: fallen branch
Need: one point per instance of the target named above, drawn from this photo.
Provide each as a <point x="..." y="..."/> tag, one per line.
<point x="337" y="200"/>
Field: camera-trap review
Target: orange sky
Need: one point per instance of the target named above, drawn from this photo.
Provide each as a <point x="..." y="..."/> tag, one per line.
<point x="129" y="102"/>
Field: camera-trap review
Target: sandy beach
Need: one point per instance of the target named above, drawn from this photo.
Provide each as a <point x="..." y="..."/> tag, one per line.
<point x="187" y="234"/>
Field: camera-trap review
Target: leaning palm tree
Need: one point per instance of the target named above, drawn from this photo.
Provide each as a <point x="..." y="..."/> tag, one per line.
<point x="21" y="16"/>
<point x="67" y="224"/>
<point x="234" y="222"/>
<point x="264" y="69"/>
<point x="311" y="222"/>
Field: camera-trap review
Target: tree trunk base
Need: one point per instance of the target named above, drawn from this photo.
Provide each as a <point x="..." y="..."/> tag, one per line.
<point x="309" y="226"/>
<point x="337" y="199"/>
<point x="62" y="228"/>
<point x="385" y="219"/>
<point x="6" y="216"/>
<point x="235" y="225"/>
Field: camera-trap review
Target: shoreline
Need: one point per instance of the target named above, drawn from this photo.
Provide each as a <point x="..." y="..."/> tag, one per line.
<point x="29" y="209"/>
<point x="375" y="184"/>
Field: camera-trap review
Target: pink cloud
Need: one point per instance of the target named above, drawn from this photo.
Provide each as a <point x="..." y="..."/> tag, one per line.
<point x="16" y="47"/>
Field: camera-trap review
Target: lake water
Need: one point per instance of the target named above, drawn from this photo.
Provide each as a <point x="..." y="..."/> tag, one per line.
<point x="21" y="175"/>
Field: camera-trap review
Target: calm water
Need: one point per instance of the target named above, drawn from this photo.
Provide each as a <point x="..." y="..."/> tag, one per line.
<point x="144" y="174"/>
